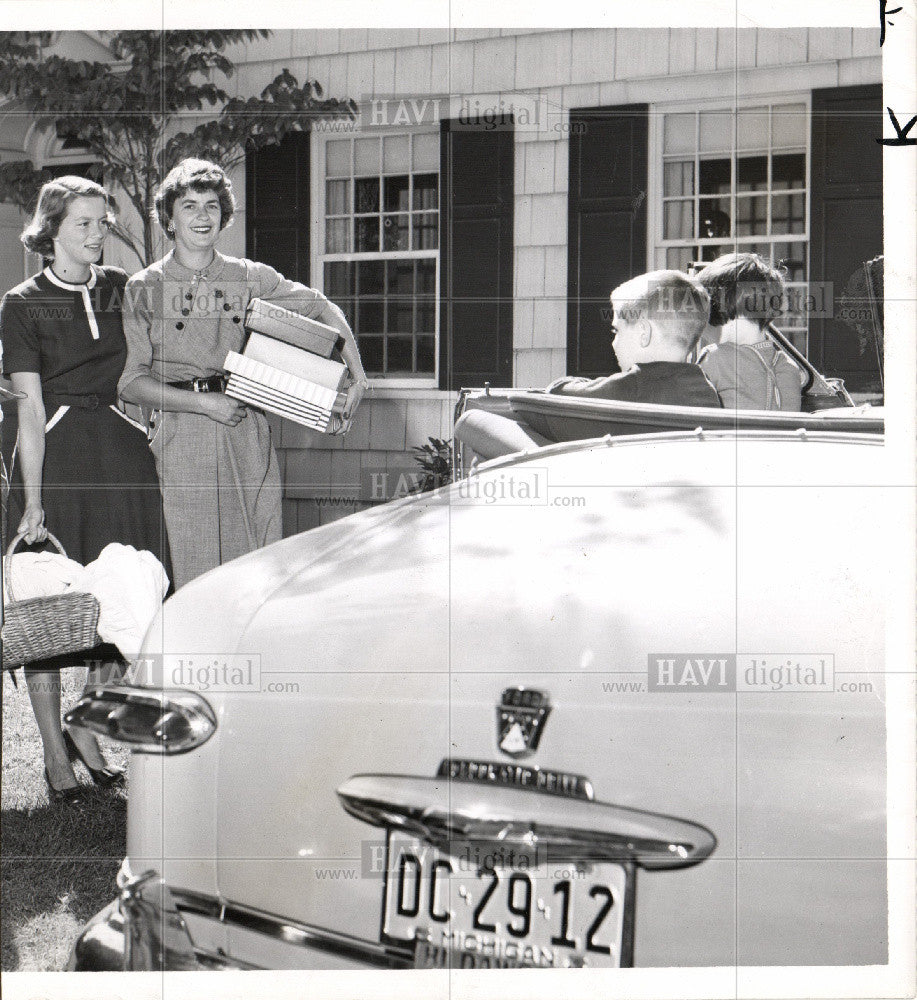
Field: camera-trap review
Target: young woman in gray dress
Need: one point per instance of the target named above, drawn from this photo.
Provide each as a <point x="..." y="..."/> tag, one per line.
<point x="219" y="474"/>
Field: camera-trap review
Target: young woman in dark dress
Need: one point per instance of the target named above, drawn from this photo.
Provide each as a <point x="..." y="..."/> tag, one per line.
<point x="80" y="468"/>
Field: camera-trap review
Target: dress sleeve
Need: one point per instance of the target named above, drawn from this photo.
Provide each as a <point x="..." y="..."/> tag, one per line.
<point x="21" y="351"/>
<point x="719" y="366"/>
<point x="138" y="320"/>
<point x="270" y="284"/>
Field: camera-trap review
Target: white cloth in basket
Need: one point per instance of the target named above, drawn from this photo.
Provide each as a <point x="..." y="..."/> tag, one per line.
<point x="129" y="585"/>
<point x="43" y="574"/>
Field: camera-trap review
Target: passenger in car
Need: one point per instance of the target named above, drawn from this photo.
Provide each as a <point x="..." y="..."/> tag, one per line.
<point x="748" y="370"/>
<point x="658" y="319"/>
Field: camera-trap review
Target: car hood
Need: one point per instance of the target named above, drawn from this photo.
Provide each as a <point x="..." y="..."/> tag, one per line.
<point x="384" y="643"/>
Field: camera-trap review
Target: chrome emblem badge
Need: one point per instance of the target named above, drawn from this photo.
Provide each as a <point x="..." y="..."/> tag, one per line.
<point x="521" y="717"/>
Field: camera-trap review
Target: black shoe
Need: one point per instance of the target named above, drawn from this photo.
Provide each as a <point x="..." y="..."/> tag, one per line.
<point x="70" y="794"/>
<point x="106" y="777"/>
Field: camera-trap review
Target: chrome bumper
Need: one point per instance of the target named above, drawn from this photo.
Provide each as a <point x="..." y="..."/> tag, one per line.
<point x="141" y="931"/>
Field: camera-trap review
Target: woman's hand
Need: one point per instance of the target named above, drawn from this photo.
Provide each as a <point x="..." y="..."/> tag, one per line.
<point x="222" y="408"/>
<point x="354" y="395"/>
<point x="33" y="525"/>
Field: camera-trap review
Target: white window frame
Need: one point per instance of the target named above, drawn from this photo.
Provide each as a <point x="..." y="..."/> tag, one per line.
<point x="656" y="246"/>
<point x="319" y="257"/>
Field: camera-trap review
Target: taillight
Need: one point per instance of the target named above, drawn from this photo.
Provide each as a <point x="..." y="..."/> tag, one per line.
<point x="149" y="721"/>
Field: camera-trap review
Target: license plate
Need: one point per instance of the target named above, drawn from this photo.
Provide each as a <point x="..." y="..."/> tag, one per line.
<point x="483" y="909"/>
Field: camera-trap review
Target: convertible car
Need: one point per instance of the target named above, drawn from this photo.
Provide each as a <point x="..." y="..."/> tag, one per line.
<point x="602" y="702"/>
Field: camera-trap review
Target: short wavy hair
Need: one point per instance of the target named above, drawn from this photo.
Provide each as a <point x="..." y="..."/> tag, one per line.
<point x="193" y="175"/>
<point x="670" y="299"/>
<point x="743" y="284"/>
<point x="53" y="201"/>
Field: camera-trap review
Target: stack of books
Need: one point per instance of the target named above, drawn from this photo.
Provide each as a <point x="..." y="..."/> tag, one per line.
<point x="286" y="366"/>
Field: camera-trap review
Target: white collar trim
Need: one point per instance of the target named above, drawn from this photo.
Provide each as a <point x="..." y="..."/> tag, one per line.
<point x="83" y="289"/>
<point x="71" y="286"/>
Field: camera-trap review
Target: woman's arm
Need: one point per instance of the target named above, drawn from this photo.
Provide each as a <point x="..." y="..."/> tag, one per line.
<point x="137" y="383"/>
<point x="32" y="419"/>
<point x="145" y="390"/>
<point x="333" y="315"/>
<point x="272" y="285"/>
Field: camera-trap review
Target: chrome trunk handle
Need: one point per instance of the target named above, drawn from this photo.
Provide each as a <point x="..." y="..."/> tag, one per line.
<point x="449" y="813"/>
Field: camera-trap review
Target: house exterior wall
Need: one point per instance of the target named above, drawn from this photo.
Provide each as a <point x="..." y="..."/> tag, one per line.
<point x="545" y="73"/>
<point x="551" y="71"/>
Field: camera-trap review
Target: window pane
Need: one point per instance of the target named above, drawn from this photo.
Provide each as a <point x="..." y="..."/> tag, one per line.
<point x="716" y="130"/>
<point x="712" y="251"/>
<point x="788" y="213"/>
<point x="425" y="357"/>
<point x="793" y="257"/>
<point x="426" y="315"/>
<point x="763" y="250"/>
<point x="752" y="129"/>
<point x="400" y="315"/>
<point x="426" y="152"/>
<point x="426" y="277"/>
<point x="339" y="279"/>
<point x="396" y="194"/>
<point x="400" y="275"/>
<point x="372" y="315"/>
<point x="751" y="216"/>
<point x="426" y="191"/>
<point x="795" y="311"/>
<point x="367" y="194"/>
<point x="713" y="218"/>
<point x="715" y="176"/>
<point x="366" y="156"/>
<point x="751" y="173"/>
<point x="790" y="125"/>
<point x="337" y="197"/>
<point x="679" y="133"/>
<point x="337" y="158"/>
<point x="337" y="236"/>
<point x="679" y="178"/>
<point x="367" y="234"/>
<point x="426" y="231"/>
<point x="789" y="171"/>
<point x="678" y="258"/>
<point x="400" y="355"/>
<point x="371" y="353"/>
<point x="348" y="307"/>
<point x="396" y="155"/>
<point x="679" y="220"/>
<point x="395" y="232"/>
<point x="371" y="277"/>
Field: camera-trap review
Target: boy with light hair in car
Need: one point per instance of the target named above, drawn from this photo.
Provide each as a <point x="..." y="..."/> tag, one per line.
<point x="658" y="320"/>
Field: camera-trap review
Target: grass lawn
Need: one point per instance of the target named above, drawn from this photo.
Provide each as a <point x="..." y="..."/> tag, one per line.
<point x="57" y="861"/>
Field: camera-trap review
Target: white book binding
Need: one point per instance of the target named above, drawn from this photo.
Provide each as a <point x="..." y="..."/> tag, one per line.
<point x="300" y="400"/>
<point x="295" y="361"/>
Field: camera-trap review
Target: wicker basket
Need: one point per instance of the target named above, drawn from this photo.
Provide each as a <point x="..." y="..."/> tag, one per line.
<point x="42" y="627"/>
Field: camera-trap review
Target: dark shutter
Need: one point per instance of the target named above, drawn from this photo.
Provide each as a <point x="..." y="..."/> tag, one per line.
<point x="476" y="256"/>
<point x="846" y="224"/>
<point x="607" y="226"/>
<point x="277" y="206"/>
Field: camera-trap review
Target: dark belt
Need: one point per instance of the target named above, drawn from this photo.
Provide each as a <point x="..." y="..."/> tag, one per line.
<point x="87" y="401"/>
<point x="214" y="383"/>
